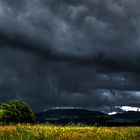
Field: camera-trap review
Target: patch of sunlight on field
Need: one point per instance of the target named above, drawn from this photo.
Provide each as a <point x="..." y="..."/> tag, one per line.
<point x="48" y="132"/>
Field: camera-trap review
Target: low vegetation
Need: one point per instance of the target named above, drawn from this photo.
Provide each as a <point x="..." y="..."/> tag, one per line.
<point x="46" y="132"/>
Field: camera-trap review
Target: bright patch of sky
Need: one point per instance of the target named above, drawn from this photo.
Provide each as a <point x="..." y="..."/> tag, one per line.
<point x="124" y="108"/>
<point x="129" y="108"/>
<point x="112" y="113"/>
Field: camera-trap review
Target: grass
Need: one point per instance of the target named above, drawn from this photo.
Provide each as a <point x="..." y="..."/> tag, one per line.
<point x="48" y="132"/>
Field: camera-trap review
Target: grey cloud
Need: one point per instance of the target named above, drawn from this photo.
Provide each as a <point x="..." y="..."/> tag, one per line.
<point x="77" y="30"/>
<point x="70" y="53"/>
<point x="45" y="83"/>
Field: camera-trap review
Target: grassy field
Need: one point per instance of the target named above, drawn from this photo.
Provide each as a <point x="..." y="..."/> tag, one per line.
<point x="46" y="132"/>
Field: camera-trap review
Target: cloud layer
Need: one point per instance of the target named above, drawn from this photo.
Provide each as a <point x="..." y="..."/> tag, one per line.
<point x="70" y="53"/>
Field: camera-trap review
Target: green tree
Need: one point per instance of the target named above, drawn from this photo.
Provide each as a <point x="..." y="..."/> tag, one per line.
<point x="16" y="111"/>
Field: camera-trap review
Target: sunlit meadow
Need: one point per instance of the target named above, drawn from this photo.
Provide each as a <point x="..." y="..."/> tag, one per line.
<point x="48" y="132"/>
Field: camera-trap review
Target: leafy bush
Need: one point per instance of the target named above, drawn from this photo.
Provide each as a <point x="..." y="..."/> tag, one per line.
<point x="16" y="111"/>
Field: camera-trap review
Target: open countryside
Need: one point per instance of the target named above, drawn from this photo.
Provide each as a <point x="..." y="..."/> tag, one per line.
<point x="50" y="132"/>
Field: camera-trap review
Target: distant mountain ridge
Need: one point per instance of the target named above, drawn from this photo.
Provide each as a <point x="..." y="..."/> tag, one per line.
<point x="64" y="116"/>
<point x="129" y="115"/>
<point x="69" y="113"/>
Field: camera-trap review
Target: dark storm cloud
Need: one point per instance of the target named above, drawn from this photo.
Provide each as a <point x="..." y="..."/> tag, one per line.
<point x="81" y="29"/>
<point x="70" y="52"/>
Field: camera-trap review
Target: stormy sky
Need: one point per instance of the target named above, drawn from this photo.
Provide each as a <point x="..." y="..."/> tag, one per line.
<point x="79" y="53"/>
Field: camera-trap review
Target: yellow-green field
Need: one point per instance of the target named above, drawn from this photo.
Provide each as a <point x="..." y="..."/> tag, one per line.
<point x="46" y="132"/>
